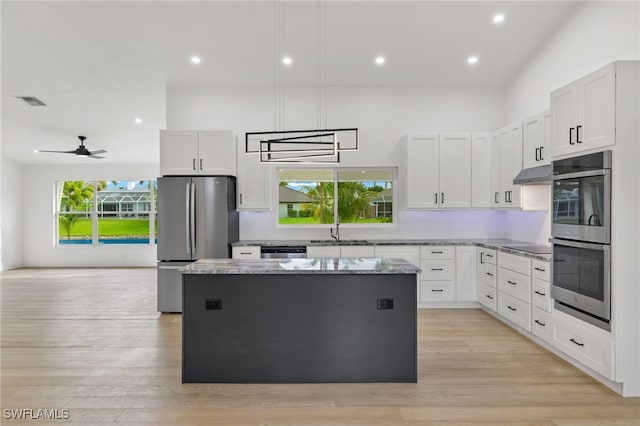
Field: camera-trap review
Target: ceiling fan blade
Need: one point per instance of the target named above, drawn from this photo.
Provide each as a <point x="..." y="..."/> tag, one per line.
<point x="58" y="152"/>
<point x="94" y="156"/>
<point x="100" y="151"/>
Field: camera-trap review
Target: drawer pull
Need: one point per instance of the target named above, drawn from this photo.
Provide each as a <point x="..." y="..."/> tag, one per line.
<point x="572" y="340"/>
<point x="245" y="252"/>
<point x="540" y="323"/>
<point x="489" y="297"/>
<point x="512" y="308"/>
<point x="437" y="269"/>
<point x="539" y="269"/>
<point x="511" y="282"/>
<point x="541" y="294"/>
<point x="436" y="252"/>
<point x="488" y="255"/>
<point x="489" y="273"/>
<point x="437" y="290"/>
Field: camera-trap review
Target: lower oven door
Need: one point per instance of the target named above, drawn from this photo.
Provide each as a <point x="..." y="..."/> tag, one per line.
<point x="582" y="277"/>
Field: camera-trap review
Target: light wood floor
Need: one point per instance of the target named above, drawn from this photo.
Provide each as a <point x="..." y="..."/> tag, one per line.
<point x="91" y="341"/>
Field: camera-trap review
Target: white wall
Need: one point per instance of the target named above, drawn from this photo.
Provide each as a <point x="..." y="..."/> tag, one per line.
<point x="39" y="249"/>
<point x="11" y="215"/>
<point x="596" y="34"/>
<point x="382" y="114"/>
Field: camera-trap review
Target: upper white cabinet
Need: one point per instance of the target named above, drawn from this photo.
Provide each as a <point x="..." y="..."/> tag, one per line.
<point x="481" y="170"/>
<point x="197" y="153"/>
<point x="583" y="113"/>
<point x="254" y="182"/>
<point x="438" y="171"/>
<point x="536" y="134"/>
<point x="507" y="157"/>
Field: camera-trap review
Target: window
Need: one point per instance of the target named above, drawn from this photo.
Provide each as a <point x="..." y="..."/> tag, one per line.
<point x="329" y="196"/>
<point x="106" y="212"/>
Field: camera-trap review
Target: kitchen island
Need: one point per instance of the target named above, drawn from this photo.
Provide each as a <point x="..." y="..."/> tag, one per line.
<point x="299" y="321"/>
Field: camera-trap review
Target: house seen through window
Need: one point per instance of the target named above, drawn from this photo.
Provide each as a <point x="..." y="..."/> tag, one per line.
<point x="329" y="196"/>
<point x="106" y="212"/>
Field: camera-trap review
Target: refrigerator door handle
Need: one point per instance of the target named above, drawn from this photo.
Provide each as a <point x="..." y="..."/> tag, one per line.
<point x="192" y="219"/>
<point x="186" y="217"/>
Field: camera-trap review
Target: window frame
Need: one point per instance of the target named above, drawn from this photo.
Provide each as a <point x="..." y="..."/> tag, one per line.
<point x="335" y="172"/>
<point x="97" y="212"/>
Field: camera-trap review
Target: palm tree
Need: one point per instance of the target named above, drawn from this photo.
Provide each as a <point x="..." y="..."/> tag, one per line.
<point x="354" y="200"/>
<point x="77" y="196"/>
<point x="322" y="205"/>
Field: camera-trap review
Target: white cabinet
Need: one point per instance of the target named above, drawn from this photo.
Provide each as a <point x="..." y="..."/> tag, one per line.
<point x="541" y="302"/>
<point x="254" y="181"/>
<point x="245" y="252"/>
<point x="323" y="251"/>
<point x="514" y="289"/>
<point x="583" y="113"/>
<point x="510" y="164"/>
<point x="437" y="281"/>
<point x="197" y="153"/>
<point x="486" y="277"/>
<point x="466" y="274"/>
<point x="536" y="135"/>
<point x="438" y="171"/>
<point x="481" y="170"/>
<point x="357" y="251"/>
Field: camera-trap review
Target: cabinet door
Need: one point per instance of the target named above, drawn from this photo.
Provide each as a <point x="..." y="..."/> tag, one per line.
<point x="481" y="170"/>
<point x="422" y="171"/>
<point x="496" y="183"/>
<point x="245" y="252"/>
<point x="466" y="274"/>
<point x="545" y="158"/>
<point x="505" y="166"/>
<point x="564" y="119"/>
<point x="455" y="170"/>
<point x="178" y="152"/>
<point x="216" y="153"/>
<point x="254" y="182"/>
<point x="596" y="109"/>
<point x="356" y="251"/>
<point x="323" y="251"/>
<point x="533" y="137"/>
<point x="515" y="196"/>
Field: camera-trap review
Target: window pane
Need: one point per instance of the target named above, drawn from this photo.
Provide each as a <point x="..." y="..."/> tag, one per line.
<point x="74" y="228"/>
<point x="74" y="208"/>
<point x="75" y="196"/>
<point x="123" y="212"/>
<point x="365" y="196"/>
<point x="305" y="196"/>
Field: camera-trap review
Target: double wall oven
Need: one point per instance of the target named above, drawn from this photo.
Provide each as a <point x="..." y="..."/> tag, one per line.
<point x="581" y="237"/>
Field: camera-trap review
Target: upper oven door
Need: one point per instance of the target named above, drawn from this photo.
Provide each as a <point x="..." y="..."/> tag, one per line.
<point x="581" y="204"/>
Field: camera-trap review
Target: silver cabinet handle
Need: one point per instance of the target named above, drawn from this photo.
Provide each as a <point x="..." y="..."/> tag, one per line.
<point x="193" y="215"/>
<point x="187" y="212"/>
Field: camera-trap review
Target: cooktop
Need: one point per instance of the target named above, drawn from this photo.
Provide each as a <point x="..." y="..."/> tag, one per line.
<point x="530" y="248"/>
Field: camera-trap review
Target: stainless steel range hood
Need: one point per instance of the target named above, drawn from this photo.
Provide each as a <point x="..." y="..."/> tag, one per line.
<point x="540" y="174"/>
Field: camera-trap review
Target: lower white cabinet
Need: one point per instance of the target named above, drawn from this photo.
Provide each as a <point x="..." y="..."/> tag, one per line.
<point x="585" y="343"/>
<point x="515" y="310"/>
<point x="356" y="251"/>
<point x="323" y="251"/>
<point x="437" y="291"/>
<point x="245" y="252"/>
<point x="466" y="290"/>
<point x="541" y="323"/>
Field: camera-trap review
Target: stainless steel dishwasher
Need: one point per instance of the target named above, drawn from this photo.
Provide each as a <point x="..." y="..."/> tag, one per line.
<point x="283" y="252"/>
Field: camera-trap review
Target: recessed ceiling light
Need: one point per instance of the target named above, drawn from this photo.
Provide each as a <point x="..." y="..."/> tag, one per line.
<point x="471" y="60"/>
<point x="287" y="60"/>
<point x="380" y="60"/>
<point x="498" y="18"/>
<point x="195" y="60"/>
<point x="138" y="120"/>
<point x="36" y="151"/>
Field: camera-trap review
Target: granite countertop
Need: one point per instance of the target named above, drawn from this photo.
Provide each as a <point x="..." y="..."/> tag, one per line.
<point x="301" y="266"/>
<point x="521" y="248"/>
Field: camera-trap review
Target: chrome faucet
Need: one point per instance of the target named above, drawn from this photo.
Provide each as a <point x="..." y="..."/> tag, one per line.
<point x="337" y="234"/>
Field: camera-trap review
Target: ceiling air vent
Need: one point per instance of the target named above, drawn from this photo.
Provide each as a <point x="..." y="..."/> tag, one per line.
<point x="31" y="100"/>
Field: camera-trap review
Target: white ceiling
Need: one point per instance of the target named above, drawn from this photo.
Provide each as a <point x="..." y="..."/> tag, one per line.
<point x="97" y="65"/>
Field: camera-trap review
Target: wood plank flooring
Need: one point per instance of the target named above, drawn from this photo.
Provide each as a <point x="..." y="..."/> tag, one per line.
<point x="90" y="341"/>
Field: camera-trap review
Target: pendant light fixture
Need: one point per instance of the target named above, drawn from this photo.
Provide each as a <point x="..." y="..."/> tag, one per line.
<point x="320" y="145"/>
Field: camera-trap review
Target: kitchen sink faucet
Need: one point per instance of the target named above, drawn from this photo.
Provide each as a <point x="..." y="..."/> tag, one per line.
<point x="337" y="234"/>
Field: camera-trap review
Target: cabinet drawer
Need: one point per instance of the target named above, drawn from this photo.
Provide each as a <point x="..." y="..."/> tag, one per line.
<point x="515" y="284"/>
<point x="323" y="251"/>
<point x="437" y="252"/>
<point x="591" y="349"/>
<point x="541" y="270"/>
<point x="437" y="270"/>
<point x="356" y="251"/>
<point x="541" y="294"/>
<point x="489" y="256"/>
<point x="488" y="297"/>
<point x="490" y="277"/>
<point x="248" y="252"/>
<point x="515" y="310"/>
<point x="515" y="263"/>
<point x="437" y="291"/>
<point x="540" y="325"/>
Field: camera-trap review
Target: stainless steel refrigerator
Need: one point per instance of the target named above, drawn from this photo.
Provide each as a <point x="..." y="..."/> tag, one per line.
<point x="197" y="219"/>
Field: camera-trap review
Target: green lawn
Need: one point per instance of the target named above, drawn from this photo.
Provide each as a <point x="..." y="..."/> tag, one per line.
<point x="314" y="221"/>
<point x="109" y="227"/>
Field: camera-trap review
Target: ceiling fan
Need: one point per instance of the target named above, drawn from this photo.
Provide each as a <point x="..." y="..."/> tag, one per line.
<point x="81" y="150"/>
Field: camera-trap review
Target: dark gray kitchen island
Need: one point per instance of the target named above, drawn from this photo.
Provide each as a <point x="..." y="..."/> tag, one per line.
<point x="299" y="321"/>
